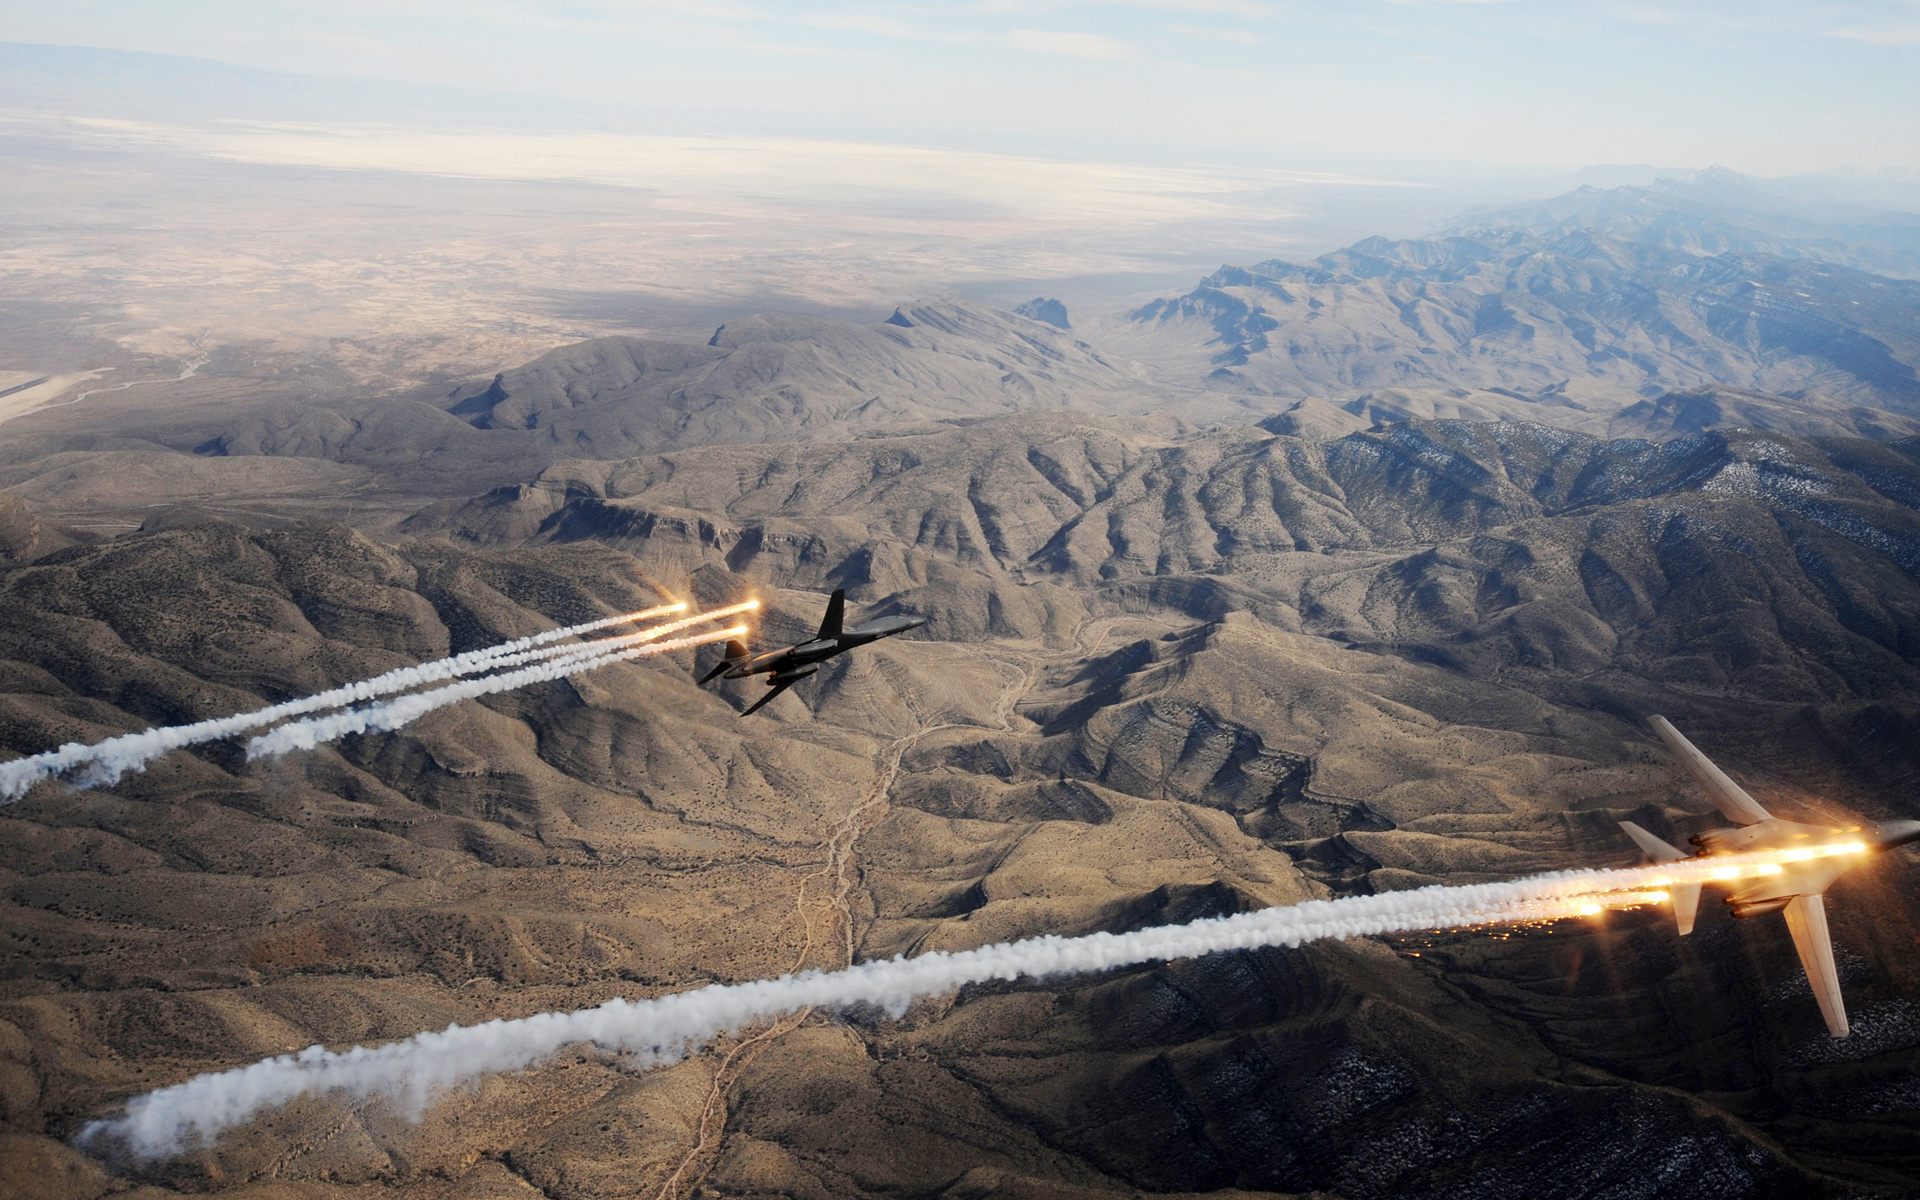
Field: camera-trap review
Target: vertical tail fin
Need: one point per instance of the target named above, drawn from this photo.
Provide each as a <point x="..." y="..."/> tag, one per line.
<point x="1685" y="897"/>
<point x="836" y="612"/>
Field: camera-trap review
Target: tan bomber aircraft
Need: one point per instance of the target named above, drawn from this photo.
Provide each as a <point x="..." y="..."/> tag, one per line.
<point x="1808" y="864"/>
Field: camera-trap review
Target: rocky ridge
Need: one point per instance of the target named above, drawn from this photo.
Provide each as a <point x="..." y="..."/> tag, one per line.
<point x="1576" y="319"/>
<point x="1166" y="677"/>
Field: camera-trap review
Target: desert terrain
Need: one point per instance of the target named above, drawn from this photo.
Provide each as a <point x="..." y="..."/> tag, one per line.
<point x="1299" y="577"/>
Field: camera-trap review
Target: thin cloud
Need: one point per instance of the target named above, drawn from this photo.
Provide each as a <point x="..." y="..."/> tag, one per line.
<point x="1246" y="37"/>
<point x="1238" y="8"/>
<point x="863" y="23"/>
<point x="1903" y="35"/>
<point x="1095" y="46"/>
<point x="352" y="42"/>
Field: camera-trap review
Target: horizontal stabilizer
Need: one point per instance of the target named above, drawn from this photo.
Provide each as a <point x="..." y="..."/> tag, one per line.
<point x="1685" y="897"/>
<point x="1652" y="846"/>
<point x="1727" y="796"/>
<point x="736" y="654"/>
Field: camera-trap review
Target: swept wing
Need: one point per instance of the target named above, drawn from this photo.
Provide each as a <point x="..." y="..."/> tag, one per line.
<point x="772" y="691"/>
<point x="1807" y="921"/>
<point x="1727" y="796"/>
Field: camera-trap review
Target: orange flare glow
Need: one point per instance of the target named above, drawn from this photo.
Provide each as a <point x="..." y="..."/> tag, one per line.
<point x="608" y="644"/>
<point x="1767" y="862"/>
<point x="710" y="615"/>
<point x="649" y="613"/>
<point x="685" y="643"/>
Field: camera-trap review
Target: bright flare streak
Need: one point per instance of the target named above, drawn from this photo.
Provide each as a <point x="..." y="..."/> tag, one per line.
<point x="1767" y="862"/>
<point x="392" y="714"/>
<point x="663" y="1029"/>
<point x="1578" y="906"/>
<point x="659" y="631"/>
<point x="647" y="614"/>
<point x="1802" y="853"/>
<point x="603" y="645"/>
<point x="108" y="760"/>
<point x="1631" y="899"/>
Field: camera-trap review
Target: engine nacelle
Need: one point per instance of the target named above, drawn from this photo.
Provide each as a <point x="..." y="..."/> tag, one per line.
<point x="1743" y="909"/>
<point x="791" y="674"/>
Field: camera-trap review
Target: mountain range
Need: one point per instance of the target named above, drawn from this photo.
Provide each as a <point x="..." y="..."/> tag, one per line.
<point x="1718" y="211"/>
<point x="1326" y="578"/>
<point x="1581" y="320"/>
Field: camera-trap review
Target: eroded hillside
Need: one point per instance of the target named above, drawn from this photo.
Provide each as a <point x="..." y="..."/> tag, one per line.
<point x="1163" y="677"/>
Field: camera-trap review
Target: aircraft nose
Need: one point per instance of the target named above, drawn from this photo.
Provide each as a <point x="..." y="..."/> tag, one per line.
<point x="1888" y="834"/>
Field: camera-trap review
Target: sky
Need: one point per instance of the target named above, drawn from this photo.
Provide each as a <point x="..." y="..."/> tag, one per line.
<point x="1761" y="86"/>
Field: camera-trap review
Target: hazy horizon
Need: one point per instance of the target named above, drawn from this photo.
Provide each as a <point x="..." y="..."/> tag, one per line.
<point x="1769" y="89"/>
<point x="415" y="223"/>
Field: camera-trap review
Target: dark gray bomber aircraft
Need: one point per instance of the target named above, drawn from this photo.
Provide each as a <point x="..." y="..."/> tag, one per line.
<point x="788" y="667"/>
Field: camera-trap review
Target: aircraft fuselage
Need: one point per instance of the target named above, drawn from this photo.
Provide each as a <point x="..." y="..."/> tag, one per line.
<point x="805" y="658"/>
<point x="1808" y="866"/>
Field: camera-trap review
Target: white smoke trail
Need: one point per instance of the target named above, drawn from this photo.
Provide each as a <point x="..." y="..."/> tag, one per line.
<point x="131" y="752"/>
<point x="108" y="760"/>
<point x="164" y="1122"/>
<point x="392" y="714"/>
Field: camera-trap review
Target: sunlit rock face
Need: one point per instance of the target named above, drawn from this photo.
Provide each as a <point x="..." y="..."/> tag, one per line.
<point x="1569" y="318"/>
